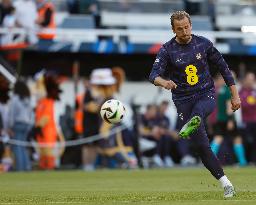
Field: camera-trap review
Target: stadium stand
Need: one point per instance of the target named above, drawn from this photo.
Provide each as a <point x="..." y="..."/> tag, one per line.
<point x="78" y="22"/>
<point x="150" y="6"/>
<point x="143" y="24"/>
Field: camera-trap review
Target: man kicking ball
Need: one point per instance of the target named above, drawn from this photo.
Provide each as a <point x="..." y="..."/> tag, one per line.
<point x="182" y="66"/>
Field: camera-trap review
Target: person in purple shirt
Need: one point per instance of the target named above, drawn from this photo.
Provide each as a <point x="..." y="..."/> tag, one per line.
<point x="248" y="100"/>
<point x="182" y="66"/>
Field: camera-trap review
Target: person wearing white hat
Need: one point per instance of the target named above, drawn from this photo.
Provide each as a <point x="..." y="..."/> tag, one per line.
<point x="102" y="87"/>
<point x="105" y="83"/>
<point x="102" y="76"/>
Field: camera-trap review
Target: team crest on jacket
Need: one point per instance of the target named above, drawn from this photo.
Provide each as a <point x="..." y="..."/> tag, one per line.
<point x="198" y="56"/>
<point x="157" y="60"/>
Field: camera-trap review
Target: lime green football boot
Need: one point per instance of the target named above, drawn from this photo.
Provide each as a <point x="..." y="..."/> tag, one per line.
<point x="190" y="127"/>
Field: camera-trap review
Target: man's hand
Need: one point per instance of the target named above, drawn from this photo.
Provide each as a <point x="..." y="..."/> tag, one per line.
<point x="167" y="84"/>
<point x="235" y="99"/>
<point x="235" y="102"/>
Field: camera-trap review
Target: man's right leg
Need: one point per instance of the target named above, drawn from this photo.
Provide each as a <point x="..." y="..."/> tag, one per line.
<point x="184" y="110"/>
<point x="190" y="127"/>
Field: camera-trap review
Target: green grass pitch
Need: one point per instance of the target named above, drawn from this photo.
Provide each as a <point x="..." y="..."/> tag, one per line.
<point x="178" y="186"/>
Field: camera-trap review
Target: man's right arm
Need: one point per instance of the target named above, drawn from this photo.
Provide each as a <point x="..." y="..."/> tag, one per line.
<point x="158" y="69"/>
<point x="167" y="84"/>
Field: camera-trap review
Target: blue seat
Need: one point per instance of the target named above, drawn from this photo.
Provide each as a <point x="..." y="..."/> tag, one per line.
<point x="201" y="23"/>
<point x="78" y="22"/>
<point x="105" y="46"/>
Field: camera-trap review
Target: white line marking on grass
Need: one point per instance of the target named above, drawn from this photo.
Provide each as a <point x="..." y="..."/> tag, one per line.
<point x="230" y="200"/>
<point x="57" y="202"/>
<point x="80" y="202"/>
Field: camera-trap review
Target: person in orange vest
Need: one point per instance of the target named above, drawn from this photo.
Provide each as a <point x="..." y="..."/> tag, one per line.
<point x="5" y="150"/>
<point x="79" y="110"/>
<point x="47" y="123"/>
<point x="46" y="21"/>
<point x="78" y="114"/>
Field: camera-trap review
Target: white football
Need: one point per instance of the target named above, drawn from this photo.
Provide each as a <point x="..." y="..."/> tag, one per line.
<point x="112" y="111"/>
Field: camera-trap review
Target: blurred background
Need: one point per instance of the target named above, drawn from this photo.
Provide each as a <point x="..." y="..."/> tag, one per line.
<point x="55" y="49"/>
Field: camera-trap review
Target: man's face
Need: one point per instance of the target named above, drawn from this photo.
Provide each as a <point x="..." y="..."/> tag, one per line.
<point x="182" y="28"/>
<point x="249" y="80"/>
<point x="152" y="111"/>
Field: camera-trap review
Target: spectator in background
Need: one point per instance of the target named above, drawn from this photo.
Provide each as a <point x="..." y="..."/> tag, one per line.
<point x="119" y="75"/>
<point x="248" y="99"/>
<point x="6" y="159"/>
<point x="226" y="126"/>
<point x="119" y="146"/>
<point x="212" y="119"/>
<point x="73" y="6"/>
<point x="9" y="22"/>
<point x="92" y="101"/>
<point x="168" y="134"/>
<point x="149" y="129"/>
<point x="192" y="7"/>
<point x="172" y="140"/>
<point x="1" y="142"/>
<point x="101" y="88"/>
<point x="78" y="115"/>
<point x="116" y="146"/>
<point x="90" y="7"/>
<point x="211" y="11"/>
<point x="26" y="16"/>
<point x="38" y="90"/>
<point x="4" y="107"/>
<point x="67" y="123"/>
<point x="45" y="20"/>
<point x="21" y="119"/>
<point x="47" y="124"/>
<point x="5" y="8"/>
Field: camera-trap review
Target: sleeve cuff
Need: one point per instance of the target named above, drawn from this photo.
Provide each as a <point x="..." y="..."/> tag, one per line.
<point x="231" y="83"/>
<point x="152" y="78"/>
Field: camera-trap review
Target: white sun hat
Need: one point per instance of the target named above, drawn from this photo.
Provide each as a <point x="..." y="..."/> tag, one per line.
<point x="102" y="76"/>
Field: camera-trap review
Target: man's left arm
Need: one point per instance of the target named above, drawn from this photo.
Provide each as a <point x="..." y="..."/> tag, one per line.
<point x="235" y="99"/>
<point x="215" y="57"/>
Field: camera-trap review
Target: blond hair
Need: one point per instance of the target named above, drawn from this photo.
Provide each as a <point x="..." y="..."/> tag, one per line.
<point x="179" y="15"/>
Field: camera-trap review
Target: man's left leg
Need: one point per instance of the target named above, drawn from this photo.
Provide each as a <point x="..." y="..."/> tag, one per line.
<point x="203" y="108"/>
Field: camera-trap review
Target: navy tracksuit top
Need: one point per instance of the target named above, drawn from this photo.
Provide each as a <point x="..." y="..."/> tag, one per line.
<point x="188" y="66"/>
